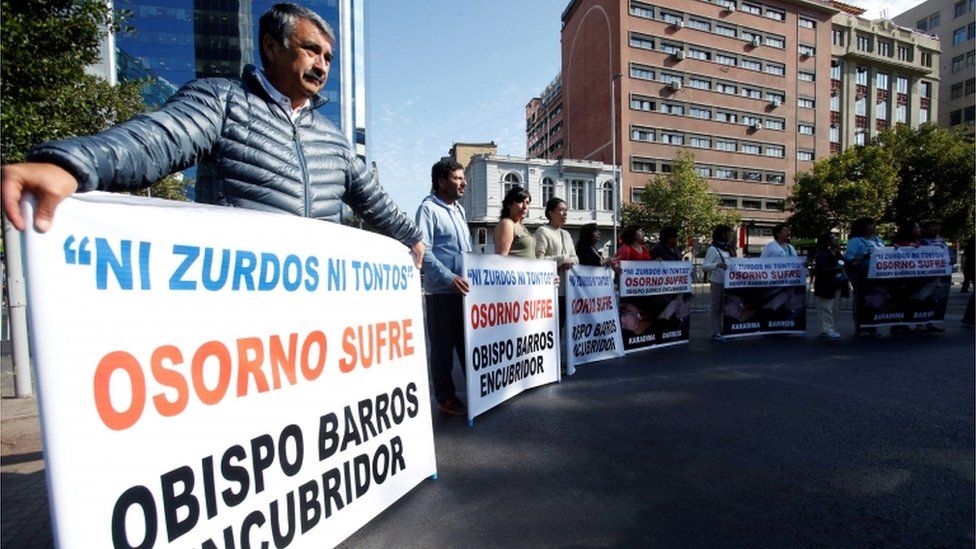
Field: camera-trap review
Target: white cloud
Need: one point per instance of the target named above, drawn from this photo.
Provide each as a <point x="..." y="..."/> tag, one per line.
<point x="875" y="8"/>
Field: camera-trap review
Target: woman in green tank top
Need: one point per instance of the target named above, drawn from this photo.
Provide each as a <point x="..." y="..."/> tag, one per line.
<point x="511" y="236"/>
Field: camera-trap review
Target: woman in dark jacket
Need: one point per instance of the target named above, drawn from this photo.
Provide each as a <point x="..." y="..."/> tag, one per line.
<point x="829" y="283"/>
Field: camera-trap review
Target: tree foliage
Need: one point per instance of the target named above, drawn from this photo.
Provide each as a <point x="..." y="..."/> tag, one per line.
<point x="44" y="91"/>
<point x="936" y="177"/>
<point x="171" y="187"/>
<point x="679" y="199"/>
<point x="906" y="174"/>
<point x="862" y="181"/>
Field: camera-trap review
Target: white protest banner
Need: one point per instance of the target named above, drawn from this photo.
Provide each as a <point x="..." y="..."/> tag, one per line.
<point x="904" y="286"/>
<point x="655" y="303"/>
<point x="764" y="295"/>
<point x="593" y="329"/>
<point x="910" y="262"/>
<point x="214" y="377"/>
<point x="511" y="333"/>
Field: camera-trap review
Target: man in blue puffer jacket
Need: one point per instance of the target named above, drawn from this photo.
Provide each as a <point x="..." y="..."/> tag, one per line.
<point x="258" y="143"/>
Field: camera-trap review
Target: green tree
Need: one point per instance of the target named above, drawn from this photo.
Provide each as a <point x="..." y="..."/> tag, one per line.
<point x="171" y="187"/>
<point x="679" y="199"/>
<point x="936" y="177"/>
<point x="44" y="92"/>
<point x="859" y="182"/>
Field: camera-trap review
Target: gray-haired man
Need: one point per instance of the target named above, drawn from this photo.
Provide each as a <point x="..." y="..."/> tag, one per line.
<point x="258" y="142"/>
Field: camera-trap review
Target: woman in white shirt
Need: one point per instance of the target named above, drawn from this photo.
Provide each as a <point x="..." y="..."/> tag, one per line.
<point x="780" y="245"/>
<point x="718" y="252"/>
<point x="552" y="241"/>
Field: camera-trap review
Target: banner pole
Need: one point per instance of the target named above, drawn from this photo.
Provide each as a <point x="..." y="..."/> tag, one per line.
<point x="17" y="309"/>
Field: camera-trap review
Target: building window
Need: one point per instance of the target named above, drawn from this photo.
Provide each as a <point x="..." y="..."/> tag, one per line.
<point x="672" y="18"/>
<point x="958" y="36"/>
<point x="775" y="41"/>
<point x="804" y="156"/>
<point x="901" y="113"/>
<point x="749" y="36"/>
<point x="805" y="129"/>
<point x="751" y="93"/>
<point x="776" y="178"/>
<point x="723" y="59"/>
<point x="671" y="108"/>
<point x="864" y="42"/>
<point x="724" y="145"/>
<point x="703" y="171"/>
<point x="726" y="173"/>
<point x="750" y="148"/>
<point x="728" y="202"/>
<point x="671" y="48"/>
<point x="510" y="180"/>
<point x="860" y="137"/>
<point x="668" y="78"/>
<point x="776" y="15"/>
<point x="639" y="104"/>
<point x="777" y="151"/>
<point x="748" y="204"/>
<point x="700" y="112"/>
<point x="647" y="166"/>
<point x="835" y="70"/>
<point x="837" y="37"/>
<point x="751" y="8"/>
<point x="775" y="96"/>
<point x="970" y="86"/>
<point x="777" y="205"/>
<point x="700" y="142"/>
<point x="806" y="23"/>
<point x="958" y="63"/>
<point x="699" y="24"/>
<point x="665" y="167"/>
<point x="923" y="116"/>
<point x="775" y="124"/>
<point x="607" y="192"/>
<point x="807" y="76"/>
<point x="641" y="41"/>
<point x="641" y="72"/>
<point x="696" y="53"/>
<point x="905" y="53"/>
<point x="806" y="103"/>
<point x="925" y="89"/>
<point x="723" y="87"/>
<point x="884" y="48"/>
<point x="806" y="51"/>
<point x="751" y="120"/>
<point x="835" y="103"/>
<point x="642" y="134"/>
<point x="635" y="194"/>
<point x="775" y="68"/>
<point x="927" y="59"/>
<point x="640" y="10"/>
<point x="881" y="81"/>
<point x="751" y="64"/>
<point x="861" y="106"/>
<point x="959" y="9"/>
<point x="725" y="116"/>
<point x="672" y="138"/>
<point x="725" y="31"/>
<point x="548" y="189"/>
<point x="577" y="194"/>
<point x="901" y="84"/>
<point x="752" y="176"/>
<point x="928" y="23"/>
<point x="861" y="76"/>
<point x="834" y="134"/>
<point x="881" y="110"/>
<point x="700" y="83"/>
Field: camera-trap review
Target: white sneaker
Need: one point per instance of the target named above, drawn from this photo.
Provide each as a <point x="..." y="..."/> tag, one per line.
<point x="830" y="335"/>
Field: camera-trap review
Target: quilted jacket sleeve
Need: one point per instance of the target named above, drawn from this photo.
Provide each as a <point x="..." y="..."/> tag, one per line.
<point x="367" y="198"/>
<point x="139" y="152"/>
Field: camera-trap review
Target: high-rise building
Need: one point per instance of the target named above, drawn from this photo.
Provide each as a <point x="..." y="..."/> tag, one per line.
<point x="174" y="41"/>
<point x="744" y="85"/>
<point x="952" y="22"/>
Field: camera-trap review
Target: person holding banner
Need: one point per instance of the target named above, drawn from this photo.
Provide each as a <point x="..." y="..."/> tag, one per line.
<point x="862" y="243"/>
<point x="258" y="142"/>
<point x="633" y="248"/>
<point x="511" y="236"/>
<point x="667" y="247"/>
<point x="714" y="264"/>
<point x="829" y="283"/>
<point x="780" y="245"/>
<point x="443" y="223"/>
<point x="554" y="242"/>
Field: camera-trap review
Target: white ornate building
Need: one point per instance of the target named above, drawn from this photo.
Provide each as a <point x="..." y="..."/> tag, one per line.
<point x="587" y="188"/>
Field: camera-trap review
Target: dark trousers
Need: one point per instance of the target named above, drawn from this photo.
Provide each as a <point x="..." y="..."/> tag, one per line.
<point x="445" y="330"/>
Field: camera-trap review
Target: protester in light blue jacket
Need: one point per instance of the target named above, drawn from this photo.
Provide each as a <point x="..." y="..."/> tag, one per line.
<point x="862" y="243"/>
<point x="445" y="235"/>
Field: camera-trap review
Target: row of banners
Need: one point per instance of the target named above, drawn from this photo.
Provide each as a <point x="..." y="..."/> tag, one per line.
<point x="195" y="391"/>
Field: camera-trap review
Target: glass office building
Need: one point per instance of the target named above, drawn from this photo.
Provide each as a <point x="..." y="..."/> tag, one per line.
<point x="171" y="42"/>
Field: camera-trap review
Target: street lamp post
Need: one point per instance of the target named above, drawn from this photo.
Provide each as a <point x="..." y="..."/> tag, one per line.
<point x="618" y="195"/>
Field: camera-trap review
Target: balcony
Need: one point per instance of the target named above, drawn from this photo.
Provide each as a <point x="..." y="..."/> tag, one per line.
<point x="834" y="148"/>
<point x="880" y="124"/>
<point x="902" y="98"/>
<point x="882" y="95"/>
<point x="834" y="118"/>
<point x="860" y="122"/>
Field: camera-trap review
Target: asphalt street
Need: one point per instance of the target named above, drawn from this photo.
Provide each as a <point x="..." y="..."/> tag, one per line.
<point x="756" y="442"/>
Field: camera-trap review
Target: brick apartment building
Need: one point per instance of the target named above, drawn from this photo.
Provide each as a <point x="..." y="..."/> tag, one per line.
<point x="746" y="86"/>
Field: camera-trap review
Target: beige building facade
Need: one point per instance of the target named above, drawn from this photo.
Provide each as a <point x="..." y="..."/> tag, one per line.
<point x="954" y="22"/>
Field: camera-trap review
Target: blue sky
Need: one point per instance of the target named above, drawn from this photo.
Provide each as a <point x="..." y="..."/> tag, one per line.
<point x="441" y="71"/>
